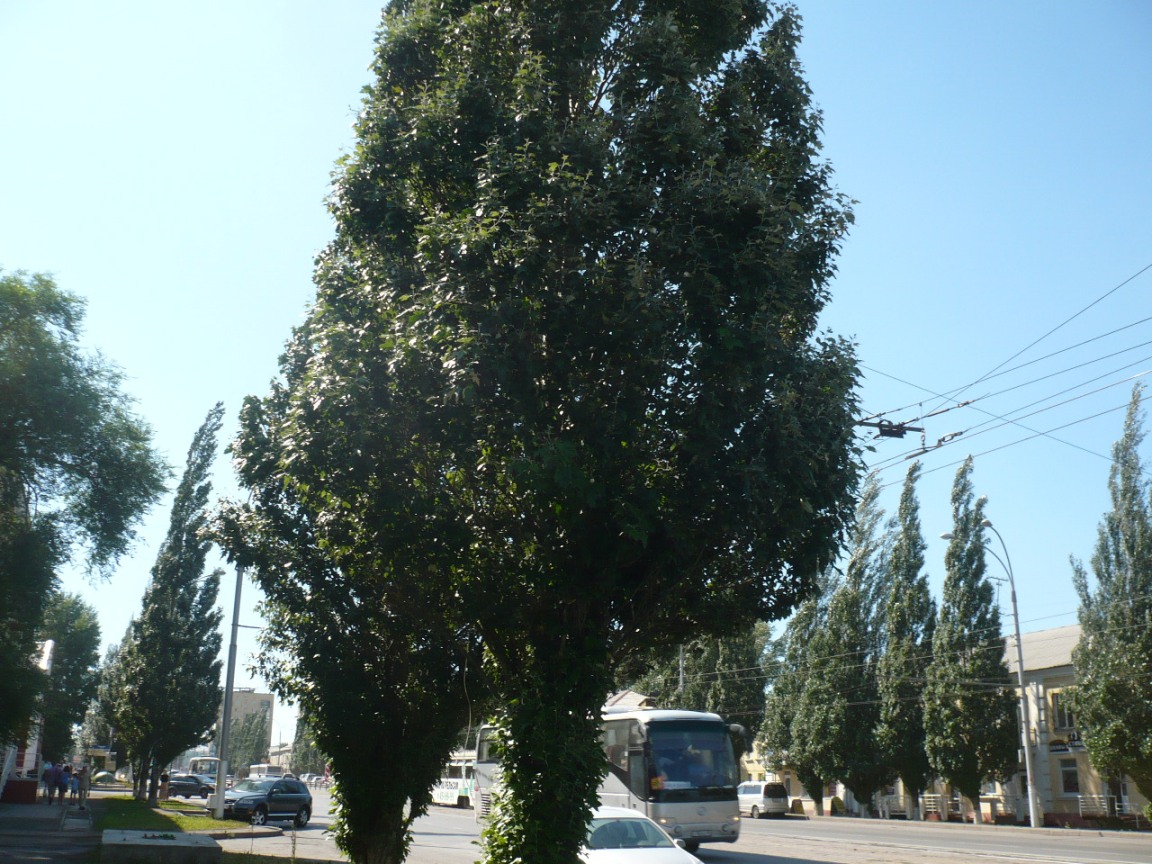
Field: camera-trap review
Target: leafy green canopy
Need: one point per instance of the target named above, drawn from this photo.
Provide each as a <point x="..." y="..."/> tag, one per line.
<point x="724" y="676"/>
<point x="1113" y="693"/>
<point x="76" y="468"/>
<point x="73" y="625"/>
<point x="562" y="382"/>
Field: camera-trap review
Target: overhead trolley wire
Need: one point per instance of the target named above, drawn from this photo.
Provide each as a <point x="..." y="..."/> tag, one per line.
<point x="1062" y="324"/>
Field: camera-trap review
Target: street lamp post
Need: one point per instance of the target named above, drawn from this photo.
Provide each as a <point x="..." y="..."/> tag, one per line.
<point x="226" y="721"/>
<point x="1025" y="714"/>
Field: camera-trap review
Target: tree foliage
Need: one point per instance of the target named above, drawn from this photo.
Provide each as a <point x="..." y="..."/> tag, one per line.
<point x="971" y="729"/>
<point x="249" y="740"/>
<point x="826" y="694"/>
<point x="77" y="469"/>
<point x="73" y="625"/>
<point x="1112" y="698"/>
<point x="307" y="757"/>
<point x="721" y="675"/>
<point x="563" y="377"/>
<point x="169" y="666"/>
<point x="844" y="710"/>
<point x="784" y="736"/>
<point x="392" y="674"/>
<point x="908" y="626"/>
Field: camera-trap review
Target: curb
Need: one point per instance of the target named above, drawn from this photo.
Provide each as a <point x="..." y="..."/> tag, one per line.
<point x="241" y="833"/>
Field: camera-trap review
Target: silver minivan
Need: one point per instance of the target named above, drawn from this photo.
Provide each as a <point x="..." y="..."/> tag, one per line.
<point x="758" y="798"/>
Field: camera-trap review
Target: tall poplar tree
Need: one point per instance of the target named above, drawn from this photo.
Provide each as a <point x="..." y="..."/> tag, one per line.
<point x="170" y="667"/>
<point x="908" y="627"/>
<point x="971" y="727"/>
<point x="1112" y="698"/>
<point x="783" y="737"/>
<point x="840" y="701"/>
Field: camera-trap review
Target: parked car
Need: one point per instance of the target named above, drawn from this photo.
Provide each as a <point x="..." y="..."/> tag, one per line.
<point x="270" y="799"/>
<point x="208" y="780"/>
<point x="617" y="835"/>
<point x="758" y="798"/>
<point x="188" y="785"/>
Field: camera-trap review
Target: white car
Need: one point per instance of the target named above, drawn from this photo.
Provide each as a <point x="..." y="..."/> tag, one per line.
<point x="618" y="835"/>
<point x="758" y="798"/>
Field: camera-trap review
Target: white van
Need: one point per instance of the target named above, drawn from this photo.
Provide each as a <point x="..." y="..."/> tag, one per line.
<point x="758" y="798"/>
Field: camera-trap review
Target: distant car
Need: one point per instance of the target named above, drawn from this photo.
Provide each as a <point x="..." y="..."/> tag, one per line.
<point x="758" y="798"/>
<point x="188" y="785"/>
<point x="618" y="835"/>
<point x="269" y="799"/>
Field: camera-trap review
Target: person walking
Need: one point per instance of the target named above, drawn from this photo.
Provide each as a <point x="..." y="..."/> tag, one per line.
<point x="85" y="785"/>
<point x="63" y="782"/>
<point x="49" y="780"/>
<point x="74" y="787"/>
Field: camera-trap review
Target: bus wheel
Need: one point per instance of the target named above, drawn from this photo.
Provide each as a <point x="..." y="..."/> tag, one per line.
<point x="463" y="801"/>
<point x="691" y="846"/>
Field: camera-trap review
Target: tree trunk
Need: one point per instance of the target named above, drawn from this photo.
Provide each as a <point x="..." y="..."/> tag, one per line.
<point x="553" y="744"/>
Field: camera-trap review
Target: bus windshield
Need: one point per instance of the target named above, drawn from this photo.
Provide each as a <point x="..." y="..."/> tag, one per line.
<point x="692" y="759"/>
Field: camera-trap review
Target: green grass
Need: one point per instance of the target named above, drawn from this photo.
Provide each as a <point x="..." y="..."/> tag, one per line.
<point x="125" y="813"/>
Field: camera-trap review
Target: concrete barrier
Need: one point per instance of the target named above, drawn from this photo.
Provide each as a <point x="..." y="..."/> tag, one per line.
<point x="158" y="847"/>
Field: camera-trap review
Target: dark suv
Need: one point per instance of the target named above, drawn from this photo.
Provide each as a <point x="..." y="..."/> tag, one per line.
<point x="269" y="799"/>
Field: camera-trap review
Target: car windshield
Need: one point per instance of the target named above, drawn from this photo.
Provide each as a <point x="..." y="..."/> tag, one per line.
<point x="626" y="833"/>
<point x="253" y="786"/>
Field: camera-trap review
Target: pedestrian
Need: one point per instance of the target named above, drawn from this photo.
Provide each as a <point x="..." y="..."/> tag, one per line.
<point x="63" y="781"/>
<point x="74" y="787"/>
<point x="85" y="784"/>
<point x="49" y="780"/>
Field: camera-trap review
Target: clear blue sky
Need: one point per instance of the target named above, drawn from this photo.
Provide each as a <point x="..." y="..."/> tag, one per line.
<point x="169" y="164"/>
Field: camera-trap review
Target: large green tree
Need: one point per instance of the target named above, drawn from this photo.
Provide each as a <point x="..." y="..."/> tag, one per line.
<point x="783" y="738"/>
<point x="1112" y="698"/>
<point x="77" y="470"/>
<point x="569" y="320"/>
<point x="971" y="728"/>
<point x="170" y="667"/>
<point x="392" y="672"/>
<point x="835" y="705"/>
<point x="74" y="627"/>
<point x="908" y="626"/>
<point x="844" y="709"/>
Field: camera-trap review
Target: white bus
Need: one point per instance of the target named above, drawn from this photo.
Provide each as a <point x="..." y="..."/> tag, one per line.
<point x="208" y="765"/>
<point x="455" y="787"/>
<point x="265" y="770"/>
<point x="676" y="767"/>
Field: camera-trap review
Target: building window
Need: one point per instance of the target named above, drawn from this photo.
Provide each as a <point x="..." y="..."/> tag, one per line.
<point x="1062" y="716"/>
<point x="1069" y="777"/>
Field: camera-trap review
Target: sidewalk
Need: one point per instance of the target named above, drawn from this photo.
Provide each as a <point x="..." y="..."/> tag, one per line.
<point x="40" y="825"/>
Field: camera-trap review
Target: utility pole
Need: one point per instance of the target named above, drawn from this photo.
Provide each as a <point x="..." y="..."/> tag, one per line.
<point x="226" y="720"/>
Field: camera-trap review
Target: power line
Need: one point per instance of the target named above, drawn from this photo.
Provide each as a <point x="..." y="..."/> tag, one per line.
<point x="1062" y="324"/>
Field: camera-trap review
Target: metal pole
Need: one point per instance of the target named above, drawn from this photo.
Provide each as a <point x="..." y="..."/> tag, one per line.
<point x="1025" y="721"/>
<point x="226" y="719"/>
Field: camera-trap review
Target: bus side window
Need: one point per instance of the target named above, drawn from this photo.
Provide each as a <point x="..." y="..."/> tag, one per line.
<point x="486" y="746"/>
<point x="638" y="780"/>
